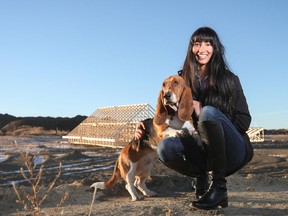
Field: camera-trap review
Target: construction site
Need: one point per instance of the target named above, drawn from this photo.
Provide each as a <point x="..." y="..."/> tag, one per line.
<point x="115" y="126"/>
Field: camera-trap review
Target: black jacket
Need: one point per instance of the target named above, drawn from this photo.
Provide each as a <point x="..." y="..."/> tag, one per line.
<point x="241" y="117"/>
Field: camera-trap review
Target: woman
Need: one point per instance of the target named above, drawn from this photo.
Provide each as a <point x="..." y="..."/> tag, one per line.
<point x="222" y="119"/>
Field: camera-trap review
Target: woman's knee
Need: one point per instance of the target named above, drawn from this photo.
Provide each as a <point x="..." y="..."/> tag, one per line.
<point x="168" y="149"/>
<point x="208" y="113"/>
<point x="161" y="150"/>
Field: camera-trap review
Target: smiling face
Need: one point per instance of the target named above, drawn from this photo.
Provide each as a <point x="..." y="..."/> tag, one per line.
<point x="202" y="50"/>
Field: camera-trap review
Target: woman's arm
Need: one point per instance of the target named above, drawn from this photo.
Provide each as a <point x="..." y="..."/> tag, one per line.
<point x="242" y="117"/>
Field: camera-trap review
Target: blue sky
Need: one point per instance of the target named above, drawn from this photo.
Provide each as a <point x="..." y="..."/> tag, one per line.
<point x="67" y="57"/>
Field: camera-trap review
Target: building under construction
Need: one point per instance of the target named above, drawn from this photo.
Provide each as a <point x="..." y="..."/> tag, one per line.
<point x="110" y="126"/>
<point x="115" y="126"/>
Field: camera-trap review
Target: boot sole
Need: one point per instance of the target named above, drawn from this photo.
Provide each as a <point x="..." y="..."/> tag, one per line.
<point x="223" y="204"/>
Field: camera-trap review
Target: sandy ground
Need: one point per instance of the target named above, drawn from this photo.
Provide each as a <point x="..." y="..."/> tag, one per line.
<point x="260" y="188"/>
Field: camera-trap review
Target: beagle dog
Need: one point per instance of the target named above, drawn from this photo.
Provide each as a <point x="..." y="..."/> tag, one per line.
<point x="173" y="114"/>
<point x="174" y="108"/>
<point x="134" y="164"/>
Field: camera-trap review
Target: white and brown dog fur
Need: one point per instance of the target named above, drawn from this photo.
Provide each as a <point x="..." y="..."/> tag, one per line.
<point x="173" y="113"/>
<point x="174" y="108"/>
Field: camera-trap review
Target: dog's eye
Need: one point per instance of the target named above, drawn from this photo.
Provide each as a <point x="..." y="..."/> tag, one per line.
<point x="176" y="83"/>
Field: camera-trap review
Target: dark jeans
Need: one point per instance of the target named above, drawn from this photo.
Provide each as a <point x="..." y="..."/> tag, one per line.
<point x="173" y="148"/>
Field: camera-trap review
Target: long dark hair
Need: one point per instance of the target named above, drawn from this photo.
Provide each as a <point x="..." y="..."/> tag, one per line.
<point x="218" y="89"/>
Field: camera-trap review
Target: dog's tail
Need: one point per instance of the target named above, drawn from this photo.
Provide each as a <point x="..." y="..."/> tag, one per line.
<point x="108" y="184"/>
<point x="112" y="181"/>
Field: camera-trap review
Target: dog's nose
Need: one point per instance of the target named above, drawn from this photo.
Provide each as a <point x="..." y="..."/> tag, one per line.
<point x="167" y="96"/>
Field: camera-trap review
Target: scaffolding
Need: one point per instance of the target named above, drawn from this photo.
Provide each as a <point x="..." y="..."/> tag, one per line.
<point x="115" y="126"/>
<point x="256" y="134"/>
<point x="110" y="126"/>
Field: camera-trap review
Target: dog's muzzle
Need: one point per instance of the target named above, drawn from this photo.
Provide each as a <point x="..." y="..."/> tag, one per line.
<point x="167" y="96"/>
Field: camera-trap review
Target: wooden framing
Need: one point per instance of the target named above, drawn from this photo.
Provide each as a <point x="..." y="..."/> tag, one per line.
<point x="110" y="126"/>
<point x="115" y="126"/>
<point x="256" y="134"/>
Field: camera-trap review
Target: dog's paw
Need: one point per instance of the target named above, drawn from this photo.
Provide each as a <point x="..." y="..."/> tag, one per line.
<point x="152" y="194"/>
<point x="183" y="133"/>
<point x="140" y="197"/>
<point x="137" y="198"/>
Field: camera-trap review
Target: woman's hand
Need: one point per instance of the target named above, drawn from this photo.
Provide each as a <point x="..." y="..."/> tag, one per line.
<point x="197" y="107"/>
<point x="139" y="130"/>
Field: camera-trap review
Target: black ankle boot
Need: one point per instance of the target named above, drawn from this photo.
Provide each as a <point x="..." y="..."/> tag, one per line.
<point x="214" y="197"/>
<point x="212" y="136"/>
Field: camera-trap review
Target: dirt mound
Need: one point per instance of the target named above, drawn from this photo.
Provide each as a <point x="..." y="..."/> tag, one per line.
<point x="75" y="155"/>
<point x="10" y="125"/>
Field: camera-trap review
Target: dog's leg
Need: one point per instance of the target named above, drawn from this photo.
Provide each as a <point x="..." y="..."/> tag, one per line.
<point x="147" y="164"/>
<point x="189" y="126"/>
<point x="171" y="132"/>
<point x="130" y="179"/>
<point x="141" y="185"/>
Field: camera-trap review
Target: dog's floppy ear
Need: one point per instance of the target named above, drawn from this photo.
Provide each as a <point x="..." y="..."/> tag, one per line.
<point x="185" y="109"/>
<point x="161" y="112"/>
